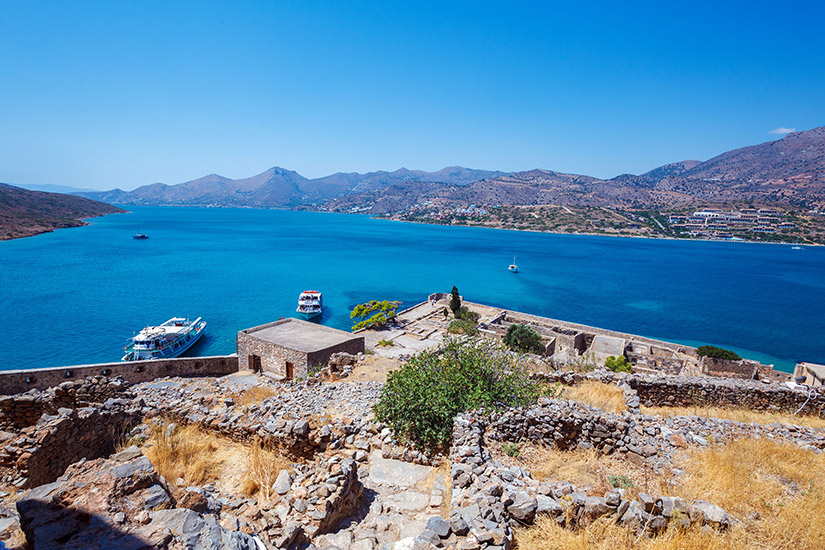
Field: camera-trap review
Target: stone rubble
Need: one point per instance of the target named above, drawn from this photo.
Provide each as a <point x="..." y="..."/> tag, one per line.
<point x="352" y="485"/>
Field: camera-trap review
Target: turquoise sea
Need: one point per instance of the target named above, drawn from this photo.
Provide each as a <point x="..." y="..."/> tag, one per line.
<point x="75" y="295"/>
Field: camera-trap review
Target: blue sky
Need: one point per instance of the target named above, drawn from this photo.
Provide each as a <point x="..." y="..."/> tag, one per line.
<point x="121" y="94"/>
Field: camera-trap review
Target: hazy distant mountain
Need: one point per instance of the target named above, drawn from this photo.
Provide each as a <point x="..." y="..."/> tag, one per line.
<point x="280" y="188"/>
<point x="65" y="189"/>
<point x="24" y="213"/>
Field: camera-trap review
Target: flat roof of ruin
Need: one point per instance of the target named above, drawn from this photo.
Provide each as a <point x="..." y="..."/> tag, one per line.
<point x="300" y="335"/>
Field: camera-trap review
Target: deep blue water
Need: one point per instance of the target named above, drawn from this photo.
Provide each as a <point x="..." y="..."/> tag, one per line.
<point x="75" y="295"/>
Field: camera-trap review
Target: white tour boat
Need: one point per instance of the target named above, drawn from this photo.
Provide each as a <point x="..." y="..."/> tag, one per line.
<point x="170" y="339"/>
<point x="310" y="304"/>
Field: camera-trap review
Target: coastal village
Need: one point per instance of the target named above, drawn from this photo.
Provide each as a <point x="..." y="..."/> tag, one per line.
<point x="279" y="445"/>
<point x="714" y="223"/>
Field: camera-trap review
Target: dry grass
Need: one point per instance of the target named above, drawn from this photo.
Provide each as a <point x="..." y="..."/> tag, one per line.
<point x="263" y="467"/>
<point x="199" y="457"/>
<point x="607" y="397"/>
<point x="255" y="395"/>
<point x="372" y="368"/>
<point x="588" y="470"/>
<point x="605" y="534"/>
<point x="776" y="490"/>
<point x="188" y="453"/>
<point x="738" y="414"/>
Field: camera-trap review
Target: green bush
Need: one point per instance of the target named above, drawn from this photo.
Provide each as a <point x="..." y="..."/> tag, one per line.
<point x="618" y="364"/>
<point x="511" y="449"/>
<point x="523" y="338"/>
<point x="620" y="481"/>
<point x="462" y="326"/>
<point x="717" y="353"/>
<point x="421" y="399"/>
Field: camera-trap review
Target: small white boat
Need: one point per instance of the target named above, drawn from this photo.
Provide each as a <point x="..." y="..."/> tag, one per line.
<point x="513" y="268"/>
<point x="170" y="339"/>
<point x="310" y="304"/>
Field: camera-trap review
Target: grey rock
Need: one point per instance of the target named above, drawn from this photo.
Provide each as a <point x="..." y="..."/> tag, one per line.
<point x="283" y="483"/>
<point x="439" y="526"/>
<point x="523" y="507"/>
<point x="709" y="513"/>
<point x="548" y="505"/>
<point x="129" y="469"/>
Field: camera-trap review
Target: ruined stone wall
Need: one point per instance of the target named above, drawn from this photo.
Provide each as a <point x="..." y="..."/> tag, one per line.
<point x="743" y="369"/>
<point x="19" y="381"/>
<point x="689" y="391"/>
<point x="682" y="391"/>
<point x="21" y="410"/>
<point x="40" y="454"/>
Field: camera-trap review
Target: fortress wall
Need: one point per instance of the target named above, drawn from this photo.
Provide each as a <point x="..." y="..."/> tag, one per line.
<point x="133" y="372"/>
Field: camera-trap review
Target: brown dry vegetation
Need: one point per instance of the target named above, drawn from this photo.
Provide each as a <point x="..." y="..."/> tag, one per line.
<point x="588" y="470"/>
<point x="776" y="489"/>
<point x="255" y="395"/>
<point x="607" y="397"/>
<point x="738" y="414"/>
<point x="199" y="457"/>
<point x="263" y="467"/>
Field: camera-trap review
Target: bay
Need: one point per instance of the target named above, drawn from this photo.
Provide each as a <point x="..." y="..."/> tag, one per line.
<point x="75" y="295"/>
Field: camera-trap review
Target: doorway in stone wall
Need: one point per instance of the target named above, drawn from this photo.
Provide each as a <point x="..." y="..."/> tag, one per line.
<point x="290" y="370"/>
<point x="255" y="363"/>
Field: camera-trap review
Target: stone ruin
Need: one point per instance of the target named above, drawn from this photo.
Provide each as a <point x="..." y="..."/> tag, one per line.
<point x="565" y="342"/>
<point x="353" y="485"/>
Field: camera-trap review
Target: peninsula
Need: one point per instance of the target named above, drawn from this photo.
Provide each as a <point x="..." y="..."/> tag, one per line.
<point x="24" y="213"/>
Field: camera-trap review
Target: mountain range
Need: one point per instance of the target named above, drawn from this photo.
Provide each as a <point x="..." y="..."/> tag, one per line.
<point x="281" y="188"/>
<point x="789" y="171"/>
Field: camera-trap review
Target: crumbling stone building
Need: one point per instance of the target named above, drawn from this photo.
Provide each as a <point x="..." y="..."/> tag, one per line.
<point x="289" y="348"/>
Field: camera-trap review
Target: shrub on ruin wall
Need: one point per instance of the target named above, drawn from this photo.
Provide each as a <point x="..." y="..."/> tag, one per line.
<point x="717" y="353"/>
<point x="618" y="364"/>
<point x="421" y="399"/>
<point x="523" y="338"/>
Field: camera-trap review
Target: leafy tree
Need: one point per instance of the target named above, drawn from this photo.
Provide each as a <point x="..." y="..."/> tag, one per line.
<point x="523" y="338"/>
<point x="618" y="364"/>
<point x="455" y="301"/>
<point x="421" y="399"/>
<point x="717" y="353"/>
<point x="373" y="313"/>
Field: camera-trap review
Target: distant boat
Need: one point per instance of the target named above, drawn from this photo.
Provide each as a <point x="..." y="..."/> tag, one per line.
<point x="513" y="268"/>
<point x="796" y="246"/>
<point x="310" y="304"/>
<point x="164" y="341"/>
<point x="140" y="235"/>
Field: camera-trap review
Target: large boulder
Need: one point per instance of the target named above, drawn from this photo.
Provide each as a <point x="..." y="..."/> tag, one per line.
<point x="105" y="503"/>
